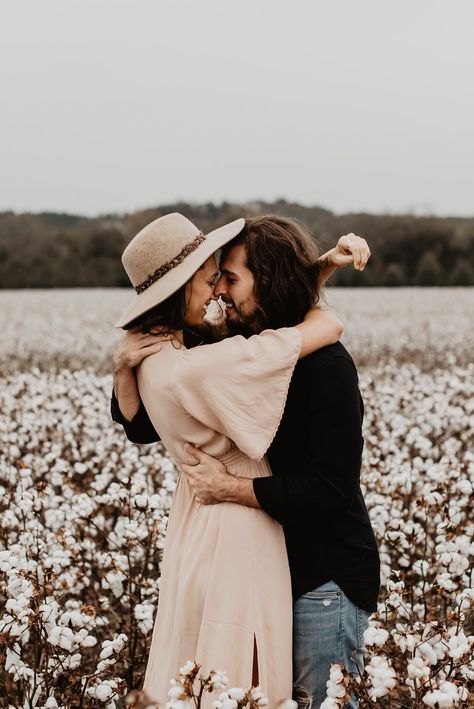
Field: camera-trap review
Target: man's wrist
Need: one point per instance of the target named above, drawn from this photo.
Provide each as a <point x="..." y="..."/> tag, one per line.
<point x="240" y="491"/>
<point x="326" y="260"/>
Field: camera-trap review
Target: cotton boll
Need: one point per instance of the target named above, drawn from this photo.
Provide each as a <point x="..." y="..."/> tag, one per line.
<point x="459" y="645"/>
<point x="375" y="636"/>
<point x="337" y="685"/>
<point x="257" y="696"/>
<point x="187" y="668"/>
<point x="417" y="669"/>
<point x="89" y="641"/>
<point x="177" y="691"/>
<point x="229" y="704"/>
<point x="382" y="677"/>
<point x="446" y="696"/>
<point x="62" y="637"/>
<point x="103" y="692"/>
<point x="236" y="693"/>
<point x="330" y="703"/>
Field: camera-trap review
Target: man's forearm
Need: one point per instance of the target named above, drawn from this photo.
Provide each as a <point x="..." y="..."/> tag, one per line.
<point x="240" y="491"/>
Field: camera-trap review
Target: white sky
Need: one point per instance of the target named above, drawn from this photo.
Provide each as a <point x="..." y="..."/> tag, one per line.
<point x="115" y="105"/>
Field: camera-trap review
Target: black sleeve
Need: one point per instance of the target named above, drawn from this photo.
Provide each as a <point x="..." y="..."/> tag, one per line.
<point x="140" y="429"/>
<point x="328" y="480"/>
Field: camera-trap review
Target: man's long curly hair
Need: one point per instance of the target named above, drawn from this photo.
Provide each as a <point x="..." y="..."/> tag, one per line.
<point x="282" y="256"/>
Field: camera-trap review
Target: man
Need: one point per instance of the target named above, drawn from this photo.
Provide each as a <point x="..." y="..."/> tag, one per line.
<point x="314" y="491"/>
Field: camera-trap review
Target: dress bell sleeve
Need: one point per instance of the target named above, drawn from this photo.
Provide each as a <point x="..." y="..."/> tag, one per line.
<point x="238" y="387"/>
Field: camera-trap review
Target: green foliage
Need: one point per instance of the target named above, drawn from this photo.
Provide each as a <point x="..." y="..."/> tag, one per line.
<point x="64" y="250"/>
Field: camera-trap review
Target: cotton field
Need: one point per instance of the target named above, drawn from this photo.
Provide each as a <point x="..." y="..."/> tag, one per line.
<point x="84" y="512"/>
<point x="74" y="328"/>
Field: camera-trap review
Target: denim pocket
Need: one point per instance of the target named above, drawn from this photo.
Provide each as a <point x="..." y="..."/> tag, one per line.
<point x="321" y="595"/>
<point x="330" y="589"/>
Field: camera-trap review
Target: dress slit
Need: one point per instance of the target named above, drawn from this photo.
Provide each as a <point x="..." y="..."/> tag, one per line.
<point x="255" y="663"/>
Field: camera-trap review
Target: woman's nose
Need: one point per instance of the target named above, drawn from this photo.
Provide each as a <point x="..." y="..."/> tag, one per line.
<point x="219" y="288"/>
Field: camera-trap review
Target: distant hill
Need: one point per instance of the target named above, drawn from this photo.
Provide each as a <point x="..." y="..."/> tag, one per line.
<point x="65" y="250"/>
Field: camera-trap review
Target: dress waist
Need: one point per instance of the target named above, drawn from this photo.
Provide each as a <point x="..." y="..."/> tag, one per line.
<point x="238" y="463"/>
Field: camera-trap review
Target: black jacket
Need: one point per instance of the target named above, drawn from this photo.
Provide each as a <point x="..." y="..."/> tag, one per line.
<point x="314" y="491"/>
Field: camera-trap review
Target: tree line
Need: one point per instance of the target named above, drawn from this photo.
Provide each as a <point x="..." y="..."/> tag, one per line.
<point x="52" y="250"/>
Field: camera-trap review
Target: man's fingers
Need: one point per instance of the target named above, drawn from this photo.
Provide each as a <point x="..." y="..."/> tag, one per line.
<point x="353" y="249"/>
<point x="136" y="356"/>
<point x="193" y="469"/>
<point x="197" y="453"/>
<point x="204" y="500"/>
<point x="365" y="255"/>
<point x="189" y="448"/>
<point x="136" y="338"/>
<point x="147" y="340"/>
<point x="357" y="258"/>
<point x="150" y="348"/>
<point x="361" y="253"/>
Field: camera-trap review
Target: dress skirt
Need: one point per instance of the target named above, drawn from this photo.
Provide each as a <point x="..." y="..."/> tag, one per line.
<point x="225" y="585"/>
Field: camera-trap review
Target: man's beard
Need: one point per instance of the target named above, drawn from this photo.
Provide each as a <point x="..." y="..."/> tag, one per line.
<point x="246" y="324"/>
<point x="202" y="330"/>
<point x="240" y="327"/>
<point x="198" y="334"/>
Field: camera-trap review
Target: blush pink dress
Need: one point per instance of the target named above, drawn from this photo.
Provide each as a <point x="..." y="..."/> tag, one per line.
<point x="225" y="581"/>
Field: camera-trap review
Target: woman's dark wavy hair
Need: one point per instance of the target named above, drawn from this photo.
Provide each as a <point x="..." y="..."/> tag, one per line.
<point x="164" y="318"/>
<point x="282" y="257"/>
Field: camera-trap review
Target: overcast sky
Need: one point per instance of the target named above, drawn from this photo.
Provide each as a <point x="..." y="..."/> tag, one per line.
<point x="116" y="105"/>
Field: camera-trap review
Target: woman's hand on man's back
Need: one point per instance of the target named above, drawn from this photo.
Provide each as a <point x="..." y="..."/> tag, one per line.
<point x="134" y="347"/>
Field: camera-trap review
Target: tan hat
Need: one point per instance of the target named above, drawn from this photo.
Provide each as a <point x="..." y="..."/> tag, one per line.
<point x="164" y="255"/>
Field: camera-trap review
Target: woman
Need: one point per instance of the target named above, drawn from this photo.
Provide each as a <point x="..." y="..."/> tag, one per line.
<point x="225" y="594"/>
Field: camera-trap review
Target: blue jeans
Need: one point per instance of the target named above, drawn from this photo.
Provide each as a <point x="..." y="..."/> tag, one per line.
<point x="327" y="628"/>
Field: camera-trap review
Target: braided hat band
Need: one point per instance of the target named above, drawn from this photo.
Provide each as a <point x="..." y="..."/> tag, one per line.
<point x="169" y="265"/>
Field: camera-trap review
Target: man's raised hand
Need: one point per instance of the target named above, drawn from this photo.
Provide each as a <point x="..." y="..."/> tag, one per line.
<point x="350" y="249"/>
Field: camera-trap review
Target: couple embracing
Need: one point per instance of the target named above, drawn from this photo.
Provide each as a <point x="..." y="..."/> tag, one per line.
<point x="270" y="567"/>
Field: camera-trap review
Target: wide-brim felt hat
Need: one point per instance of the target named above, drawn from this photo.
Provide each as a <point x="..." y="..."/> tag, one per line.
<point x="164" y="255"/>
